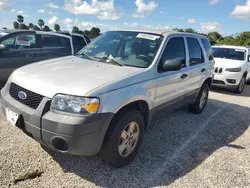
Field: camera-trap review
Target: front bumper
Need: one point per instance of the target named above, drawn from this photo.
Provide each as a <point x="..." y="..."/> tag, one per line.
<point x="78" y="135"/>
<point x="227" y="79"/>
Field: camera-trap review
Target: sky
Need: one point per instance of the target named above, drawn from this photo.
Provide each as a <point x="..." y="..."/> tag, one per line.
<point x="224" y="16"/>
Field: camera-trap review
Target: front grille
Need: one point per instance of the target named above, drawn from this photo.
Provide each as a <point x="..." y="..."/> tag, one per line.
<point x="32" y="100"/>
<point x="218" y="82"/>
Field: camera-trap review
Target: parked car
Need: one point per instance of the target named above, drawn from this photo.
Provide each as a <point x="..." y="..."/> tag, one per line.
<point x="103" y="99"/>
<point x="232" y="64"/>
<point x="22" y="47"/>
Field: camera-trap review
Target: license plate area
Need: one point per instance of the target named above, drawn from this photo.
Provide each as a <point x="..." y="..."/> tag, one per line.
<point x="11" y="116"/>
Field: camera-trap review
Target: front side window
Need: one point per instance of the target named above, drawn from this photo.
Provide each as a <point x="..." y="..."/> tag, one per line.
<point x="175" y="49"/>
<point x="22" y="41"/>
<point x="195" y="51"/>
<point x="128" y="48"/>
<point x="229" y="53"/>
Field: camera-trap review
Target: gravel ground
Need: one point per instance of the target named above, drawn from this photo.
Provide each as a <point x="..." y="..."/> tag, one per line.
<point x="180" y="150"/>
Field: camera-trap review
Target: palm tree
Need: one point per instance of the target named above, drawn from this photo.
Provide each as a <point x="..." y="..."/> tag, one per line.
<point x="41" y="23"/>
<point x="31" y="25"/>
<point x="36" y="28"/>
<point x="57" y="27"/>
<point x="20" y="19"/>
<point x="46" y="28"/>
<point x="15" y="25"/>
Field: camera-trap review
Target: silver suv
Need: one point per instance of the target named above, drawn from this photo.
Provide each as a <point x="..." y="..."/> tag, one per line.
<point x="102" y="99"/>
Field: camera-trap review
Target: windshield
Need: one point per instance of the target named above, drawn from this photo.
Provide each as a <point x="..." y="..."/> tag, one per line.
<point x="124" y="47"/>
<point x="229" y="53"/>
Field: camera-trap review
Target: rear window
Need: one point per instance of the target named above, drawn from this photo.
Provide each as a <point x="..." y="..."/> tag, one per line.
<point x="208" y="48"/>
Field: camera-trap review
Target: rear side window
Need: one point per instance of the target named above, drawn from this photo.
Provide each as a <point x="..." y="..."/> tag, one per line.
<point x="21" y="41"/>
<point x="49" y="41"/>
<point x="208" y="48"/>
<point x="195" y="51"/>
<point x="78" y="43"/>
<point x="175" y="49"/>
<point x="87" y="39"/>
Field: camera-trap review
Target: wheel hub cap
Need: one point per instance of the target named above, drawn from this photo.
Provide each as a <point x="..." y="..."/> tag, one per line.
<point x="128" y="139"/>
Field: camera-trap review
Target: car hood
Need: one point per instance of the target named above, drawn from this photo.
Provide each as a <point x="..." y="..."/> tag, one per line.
<point x="228" y="63"/>
<point x="70" y="75"/>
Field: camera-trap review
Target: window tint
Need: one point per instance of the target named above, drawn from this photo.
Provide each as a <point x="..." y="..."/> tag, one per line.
<point x="49" y="41"/>
<point x="208" y="48"/>
<point x="20" y="42"/>
<point x="9" y="42"/>
<point x="25" y="41"/>
<point x="175" y="49"/>
<point x="195" y="51"/>
<point x="87" y="39"/>
<point x="78" y="43"/>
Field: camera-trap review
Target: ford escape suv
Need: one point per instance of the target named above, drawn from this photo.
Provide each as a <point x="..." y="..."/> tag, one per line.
<point x="102" y="100"/>
<point x="232" y="64"/>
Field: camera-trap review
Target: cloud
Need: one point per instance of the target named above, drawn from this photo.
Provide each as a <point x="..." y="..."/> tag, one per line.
<point x="52" y="20"/>
<point x="144" y="8"/>
<point x="103" y="10"/>
<point x="13" y="10"/>
<point x="191" y="20"/>
<point x="242" y="11"/>
<point x="51" y="5"/>
<point x="83" y="25"/>
<point x="207" y="27"/>
<point x="213" y="2"/>
<point x="68" y="21"/>
<point x="41" y="10"/>
<point x="20" y="12"/>
<point x="5" y="5"/>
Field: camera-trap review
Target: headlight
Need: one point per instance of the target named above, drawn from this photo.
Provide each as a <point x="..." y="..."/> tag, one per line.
<point x="234" y="69"/>
<point x="74" y="105"/>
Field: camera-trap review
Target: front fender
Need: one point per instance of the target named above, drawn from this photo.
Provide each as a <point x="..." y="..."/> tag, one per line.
<point x="113" y="101"/>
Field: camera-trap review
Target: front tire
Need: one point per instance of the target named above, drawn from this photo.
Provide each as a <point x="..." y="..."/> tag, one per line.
<point x="201" y="100"/>
<point x="241" y="85"/>
<point x="123" y="139"/>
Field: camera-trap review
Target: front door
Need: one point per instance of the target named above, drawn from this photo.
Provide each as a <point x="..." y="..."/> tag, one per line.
<point x="20" y="49"/>
<point x="172" y="85"/>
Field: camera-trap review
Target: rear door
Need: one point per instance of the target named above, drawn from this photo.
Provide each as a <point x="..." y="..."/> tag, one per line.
<point x="53" y="46"/>
<point x="21" y="49"/>
<point x="198" y="67"/>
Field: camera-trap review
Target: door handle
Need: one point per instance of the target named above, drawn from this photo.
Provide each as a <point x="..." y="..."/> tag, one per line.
<point x="184" y="76"/>
<point x="203" y="70"/>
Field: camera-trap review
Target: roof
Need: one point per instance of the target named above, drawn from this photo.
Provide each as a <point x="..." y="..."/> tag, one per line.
<point x="164" y="32"/>
<point x="230" y="46"/>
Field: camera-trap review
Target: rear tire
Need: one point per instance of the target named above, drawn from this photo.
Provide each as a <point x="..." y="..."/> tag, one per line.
<point x="241" y="85"/>
<point x="112" y="151"/>
<point x="201" y="100"/>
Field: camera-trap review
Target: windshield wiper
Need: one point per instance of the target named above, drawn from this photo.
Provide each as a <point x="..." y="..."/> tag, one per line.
<point x="109" y="60"/>
<point x="84" y="54"/>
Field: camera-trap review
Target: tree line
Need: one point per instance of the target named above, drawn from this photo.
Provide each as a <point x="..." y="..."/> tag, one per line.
<point x="19" y="24"/>
<point x="239" y="39"/>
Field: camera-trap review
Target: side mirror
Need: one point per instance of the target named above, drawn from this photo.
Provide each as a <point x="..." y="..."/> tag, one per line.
<point x="2" y="47"/>
<point x="172" y="65"/>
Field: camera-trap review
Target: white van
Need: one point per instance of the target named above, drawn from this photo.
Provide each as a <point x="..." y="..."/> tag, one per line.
<point x="232" y="65"/>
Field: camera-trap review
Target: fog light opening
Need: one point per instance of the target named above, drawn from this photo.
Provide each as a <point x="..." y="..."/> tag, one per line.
<point x="60" y="144"/>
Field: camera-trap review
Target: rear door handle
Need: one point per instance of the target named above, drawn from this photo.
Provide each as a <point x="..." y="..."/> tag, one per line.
<point x="203" y="70"/>
<point x="184" y="76"/>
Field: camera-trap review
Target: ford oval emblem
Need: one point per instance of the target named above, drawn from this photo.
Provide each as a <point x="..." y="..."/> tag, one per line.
<point x="22" y="95"/>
